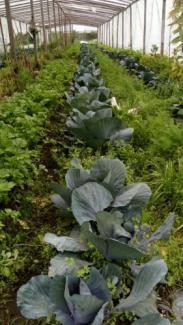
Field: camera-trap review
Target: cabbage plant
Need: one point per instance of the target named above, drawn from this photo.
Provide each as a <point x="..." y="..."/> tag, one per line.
<point x="90" y="101"/>
<point x="102" y="187"/>
<point x="71" y="299"/>
<point x="102" y="195"/>
<point x="112" y="240"/>
<point x="96" y="130"/>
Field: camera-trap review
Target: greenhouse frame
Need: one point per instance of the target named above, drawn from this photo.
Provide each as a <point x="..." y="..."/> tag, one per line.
<point x="120" y="23"/>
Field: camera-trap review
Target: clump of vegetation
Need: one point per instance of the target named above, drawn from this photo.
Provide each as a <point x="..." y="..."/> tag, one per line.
<point x="177" y="18"/>
<point x="28" y="152"/>
<point x="152" y="157"/>
<point x="92" y="118"/>
<point x="107" y="215"/>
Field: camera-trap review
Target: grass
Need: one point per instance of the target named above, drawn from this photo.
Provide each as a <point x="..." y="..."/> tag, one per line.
<point x="155" y="154"/>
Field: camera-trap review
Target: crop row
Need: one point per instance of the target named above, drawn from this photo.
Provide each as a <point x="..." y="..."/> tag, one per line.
<point x="97" y="273"/>
<point x="142" y="72"/>
<point x="23" y="117"/>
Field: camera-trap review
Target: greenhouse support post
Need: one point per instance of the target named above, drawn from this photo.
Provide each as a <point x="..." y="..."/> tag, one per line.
<point x="49" y="21"/>
<point x="70" y="31"/>
<point x="117" y="31"/>
<point x="10" y="29"/>
<point x="131" y="30"/>
<point x="109" y="33"/>
<point x="54" y="19"/>
<point x="65" y="29"/>
<point x="163" y="27"/>
<point x="20" y="25"/>
<point x="3" y="39"/>
<point x="63" y="26"/>
<point x="60" y="23"/>
<point x="43" y="25"/>
<point x="34" y="31"/>
<point x="123" y="29"/>
<point x="113" y="32"/>
<point x="145" y="26"/>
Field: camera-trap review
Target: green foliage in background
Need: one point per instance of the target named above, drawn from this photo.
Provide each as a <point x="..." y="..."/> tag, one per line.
<point x="155" y="155"/>
<point x="177" y="17"/>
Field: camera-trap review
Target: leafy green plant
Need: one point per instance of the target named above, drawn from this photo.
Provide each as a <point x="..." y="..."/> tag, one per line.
<point x="109" y="214"/>
<point x="177" y="17"/>
<point x="177" y="110"/>
<point x="92" y="118"/>
<point x="120" y="238"/>
<point x="134" y="66"/>
<point x="71" y="299"/>
<point x="89" y="192"/>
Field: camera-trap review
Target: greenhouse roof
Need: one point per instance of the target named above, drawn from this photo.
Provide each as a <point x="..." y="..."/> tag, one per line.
<point x="83" y="12"/>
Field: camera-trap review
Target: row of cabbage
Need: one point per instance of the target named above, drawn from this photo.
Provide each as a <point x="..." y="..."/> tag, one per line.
<point x="142" y="72"/>
<point x="106" y="265"/>
<point x="134" y="66"/>
<point x="92" y="119"/>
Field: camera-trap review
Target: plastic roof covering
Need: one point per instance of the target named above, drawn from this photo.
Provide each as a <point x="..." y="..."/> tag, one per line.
<point x="83" y="12"/>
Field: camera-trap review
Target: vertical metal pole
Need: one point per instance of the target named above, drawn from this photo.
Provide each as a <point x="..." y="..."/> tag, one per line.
<point x="34" y="31"/>
<point x="131" y="30"/>
<point x="55" y="23"/>
<point x="3" y="39"/>
<point x="70" y="32"/>
<point x="105" y="33"/>
<point x="123" y="30"/>
<point x="43" y="25"/>
<point x="113" y="32"/>
<point x="10" y="29"/>
<point x="117" y="32"/>
<point x="60" y="24"/>
<point x="49" y="21"/>
<point x="109" y="33"/>
<point x="163" y="27"/>
<point x="20" y="27"/>
<point x="145" y="26"/>
<point x="65" y="30"/>
<point x="62" y="20"/>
